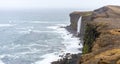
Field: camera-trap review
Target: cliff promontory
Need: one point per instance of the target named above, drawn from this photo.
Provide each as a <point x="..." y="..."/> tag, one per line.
<point x="102" y="37"/>
<point x="100" y="32"/>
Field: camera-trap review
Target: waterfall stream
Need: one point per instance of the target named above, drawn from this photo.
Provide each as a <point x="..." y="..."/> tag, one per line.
<point x="79" y="25"/>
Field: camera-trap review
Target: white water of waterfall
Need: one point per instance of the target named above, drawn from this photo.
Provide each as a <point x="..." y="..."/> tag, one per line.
<point x="79" y="25"/>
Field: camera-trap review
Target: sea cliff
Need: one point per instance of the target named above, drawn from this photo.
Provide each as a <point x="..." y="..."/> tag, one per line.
<point x="102" y="37"/>
<point x="100" y="33"/>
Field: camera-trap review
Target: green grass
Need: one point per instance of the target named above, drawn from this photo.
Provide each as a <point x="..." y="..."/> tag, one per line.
<point x="90" y="35"/>
<point x="85" y="49"/>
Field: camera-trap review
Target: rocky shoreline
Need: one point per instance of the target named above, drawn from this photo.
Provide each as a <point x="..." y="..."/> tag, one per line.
<point x="68" y="59"/>
<point x="100" y="32"/>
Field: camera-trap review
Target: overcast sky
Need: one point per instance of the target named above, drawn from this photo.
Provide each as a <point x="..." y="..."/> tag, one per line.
<point x="38" y="4"/>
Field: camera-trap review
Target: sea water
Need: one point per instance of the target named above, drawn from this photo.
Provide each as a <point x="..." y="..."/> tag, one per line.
<point x="35" y="36"/>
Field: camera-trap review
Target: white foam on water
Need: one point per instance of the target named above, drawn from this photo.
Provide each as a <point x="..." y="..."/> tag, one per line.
<point x="57" y="27"/>
<point x="48" y="58"/>
<point x="39" y="22"/>
<point x="34" y="31"/>
<point x="24" y="28"/>
<point x="42" y="22"/>
<point x="1" y="62"/>
<point x="2" y="56"/>
<point x="53" y="27"/>
<point x="71" y="45"/>
<point x="39" y="31"/>
<point x="6" y="25"/>
<point x="28" y="30"/>
<point x="24" y="32"/>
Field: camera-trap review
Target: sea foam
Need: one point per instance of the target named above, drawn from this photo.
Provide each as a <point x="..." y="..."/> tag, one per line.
<point x="71" y="45"/>
<point x="6" y="25"/>
<point x="1" y="62"/>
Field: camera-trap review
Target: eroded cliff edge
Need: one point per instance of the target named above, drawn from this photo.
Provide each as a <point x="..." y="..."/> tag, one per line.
<point x="102" y="37"/>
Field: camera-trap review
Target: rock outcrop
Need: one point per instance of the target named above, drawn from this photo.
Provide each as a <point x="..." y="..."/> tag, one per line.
<point x="102" y="37"/>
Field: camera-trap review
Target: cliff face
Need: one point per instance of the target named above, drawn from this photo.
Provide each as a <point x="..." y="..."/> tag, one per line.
<point x="74" y="17"/>
<point x="102" y="37"/>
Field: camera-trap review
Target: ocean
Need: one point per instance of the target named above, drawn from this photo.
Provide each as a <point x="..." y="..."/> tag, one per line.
<point x="35" y="36"/>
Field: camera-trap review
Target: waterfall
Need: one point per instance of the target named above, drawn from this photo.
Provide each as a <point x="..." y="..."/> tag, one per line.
<point x="79" y="25"/>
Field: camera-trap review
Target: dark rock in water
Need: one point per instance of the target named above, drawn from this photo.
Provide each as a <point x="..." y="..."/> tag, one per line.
<point x="68" y="59"/>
